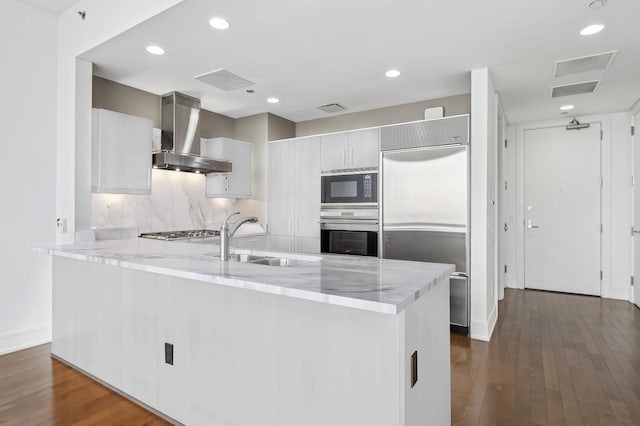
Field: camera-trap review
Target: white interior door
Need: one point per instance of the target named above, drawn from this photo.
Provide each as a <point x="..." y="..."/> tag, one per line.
<point x="562" y="209"/>
<point x="636" y="210"/>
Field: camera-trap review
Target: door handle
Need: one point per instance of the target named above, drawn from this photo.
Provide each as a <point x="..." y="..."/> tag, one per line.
<point x="531" y="226"/>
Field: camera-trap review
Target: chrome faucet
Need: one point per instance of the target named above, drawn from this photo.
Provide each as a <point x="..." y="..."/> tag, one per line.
<point x="226" y="233"/>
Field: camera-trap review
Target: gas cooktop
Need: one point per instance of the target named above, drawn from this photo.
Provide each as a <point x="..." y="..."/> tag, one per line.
<point x="180" y="235"/>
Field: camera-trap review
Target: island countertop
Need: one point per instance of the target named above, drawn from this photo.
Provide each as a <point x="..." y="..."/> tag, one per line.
<point x="379" y="285"/>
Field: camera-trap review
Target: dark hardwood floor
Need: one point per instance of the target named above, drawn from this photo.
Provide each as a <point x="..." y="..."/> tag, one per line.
<point x="554" y="359"/>
<point x="38" y="390"/>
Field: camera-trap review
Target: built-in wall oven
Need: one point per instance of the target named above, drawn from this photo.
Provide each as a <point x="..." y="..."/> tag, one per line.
<point x="350" y="188"/>
<point x="349" y="230"/>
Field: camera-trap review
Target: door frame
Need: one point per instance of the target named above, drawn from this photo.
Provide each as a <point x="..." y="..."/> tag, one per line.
<point x="605" y="248"/>
<point x="635" y="141"/>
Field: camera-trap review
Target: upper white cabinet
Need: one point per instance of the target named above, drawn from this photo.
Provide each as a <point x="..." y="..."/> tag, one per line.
<point x="238" y="183"/>
<point x="294" y="188"/>
<point x="121" y="153"/>
<point x="358" y="149"/>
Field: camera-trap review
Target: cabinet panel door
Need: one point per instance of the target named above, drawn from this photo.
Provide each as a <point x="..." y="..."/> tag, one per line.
<point x="238" y="183"/>
<point x="334" y="151"/>
<point x="364" y="148"/>
<point x="281" y="243"/>
<point x="241" y="176"/>
<point x="307" y="187"/>
<point x="121" y="153"/>
<point x="308" y="245"/>
<point x="281" y="190"/>
<point x="217" y="185"/>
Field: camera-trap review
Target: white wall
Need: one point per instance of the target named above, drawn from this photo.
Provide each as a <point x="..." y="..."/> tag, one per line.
<point x="104" y="20"/>
<point x="484" y="166"/>
<point x="616" y="166"/>
<point x="27" y="175"/>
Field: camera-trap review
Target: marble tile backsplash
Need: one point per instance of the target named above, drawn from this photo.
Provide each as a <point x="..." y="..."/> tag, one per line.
<point x="178" y="201"/>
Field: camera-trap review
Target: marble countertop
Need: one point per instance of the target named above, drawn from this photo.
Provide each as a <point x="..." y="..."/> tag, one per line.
<point x="379" y="285"/>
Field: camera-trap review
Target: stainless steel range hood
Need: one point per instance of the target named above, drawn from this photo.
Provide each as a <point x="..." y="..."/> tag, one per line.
<point x="180" y="145"/>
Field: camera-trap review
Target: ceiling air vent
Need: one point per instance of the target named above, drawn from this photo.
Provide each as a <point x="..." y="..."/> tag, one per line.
<point x="330" y="108"/>
<point x="597" y="62"/>
<point x="223" y="79"/>
<point x="574" y="89"/>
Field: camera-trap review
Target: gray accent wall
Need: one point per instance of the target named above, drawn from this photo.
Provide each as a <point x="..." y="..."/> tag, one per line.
<point x="453" y="105"/>
<point x="280" y="128"/>
<point x="117" y="97"/>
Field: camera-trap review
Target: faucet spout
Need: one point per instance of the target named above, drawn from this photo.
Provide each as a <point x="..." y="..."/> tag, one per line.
<point x="226" y="233"/>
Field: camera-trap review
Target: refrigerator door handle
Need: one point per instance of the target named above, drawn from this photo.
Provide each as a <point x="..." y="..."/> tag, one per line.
<point x="459" y="274"/>
<point x="459" y="229"/>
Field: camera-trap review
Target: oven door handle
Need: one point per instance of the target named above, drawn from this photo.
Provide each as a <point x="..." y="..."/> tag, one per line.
<point x="351" y="226"/>
<point x="348" y="221"/>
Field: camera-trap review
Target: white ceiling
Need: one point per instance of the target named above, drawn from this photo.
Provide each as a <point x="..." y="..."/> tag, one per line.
<point x="310" y="53"/>
<point x="54" y="7"/>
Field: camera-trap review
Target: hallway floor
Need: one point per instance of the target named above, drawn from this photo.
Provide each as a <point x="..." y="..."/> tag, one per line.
<point x="554" y="359"/>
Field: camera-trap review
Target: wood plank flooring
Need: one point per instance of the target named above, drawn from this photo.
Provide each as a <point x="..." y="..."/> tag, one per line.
<point x="38" y="390"/>
<point x="554" y="359"/>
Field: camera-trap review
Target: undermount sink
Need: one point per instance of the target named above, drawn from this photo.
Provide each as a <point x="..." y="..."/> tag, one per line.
<point x="266" y="260"/>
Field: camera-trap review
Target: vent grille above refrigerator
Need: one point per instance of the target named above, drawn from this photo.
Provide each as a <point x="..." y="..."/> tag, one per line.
<point x="443" y="131"/>
<point x="223" y="79"/>
<point x="574" y="89"/>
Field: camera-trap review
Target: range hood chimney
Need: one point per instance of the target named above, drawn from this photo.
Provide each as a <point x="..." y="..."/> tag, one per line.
<point x="180" y="145"/>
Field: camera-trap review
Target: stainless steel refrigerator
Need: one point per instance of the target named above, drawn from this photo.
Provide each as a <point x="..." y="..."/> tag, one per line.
<point x="425" y="200"/>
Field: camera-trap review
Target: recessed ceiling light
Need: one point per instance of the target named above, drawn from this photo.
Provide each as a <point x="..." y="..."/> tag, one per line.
<point x="592" y="29"/>
<point x="155" y="50"/>
<point x="219" y="23"/>
<point x="566" y="107"/>
<point x="177" y="169"/>
<point x="273" y="100"/>
<point x="392" y="73"/>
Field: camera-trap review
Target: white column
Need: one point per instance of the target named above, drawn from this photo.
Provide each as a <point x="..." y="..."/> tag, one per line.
<point x="484" y="301"/>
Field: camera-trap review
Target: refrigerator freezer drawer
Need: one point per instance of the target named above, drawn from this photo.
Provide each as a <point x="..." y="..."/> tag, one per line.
<point x="427" y="246"/>
<point x="459" y="300"/>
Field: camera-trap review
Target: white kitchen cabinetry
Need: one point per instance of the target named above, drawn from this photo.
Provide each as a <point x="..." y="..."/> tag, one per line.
<point x="236" y="184"/>
<point x="294" y="188"/>
<point x="121" y="153"/>
<point x="358" y="149"/>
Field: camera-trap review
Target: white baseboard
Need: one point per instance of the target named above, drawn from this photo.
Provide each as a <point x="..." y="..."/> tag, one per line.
<point x="617" y="294"/>
<point x="23" y="339"/>
<point x="482" y="330"/>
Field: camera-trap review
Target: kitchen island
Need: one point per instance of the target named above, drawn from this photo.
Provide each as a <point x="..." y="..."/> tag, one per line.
<point x="328" y="340"/>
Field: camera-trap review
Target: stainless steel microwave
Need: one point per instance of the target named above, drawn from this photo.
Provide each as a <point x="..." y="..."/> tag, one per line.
<point x="350" y="188"/>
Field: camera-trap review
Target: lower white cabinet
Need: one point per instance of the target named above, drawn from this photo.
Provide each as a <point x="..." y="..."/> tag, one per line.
<point x="238" y="183"/>
<point x="294" y="188"/>
<point x="120" y="153"/>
